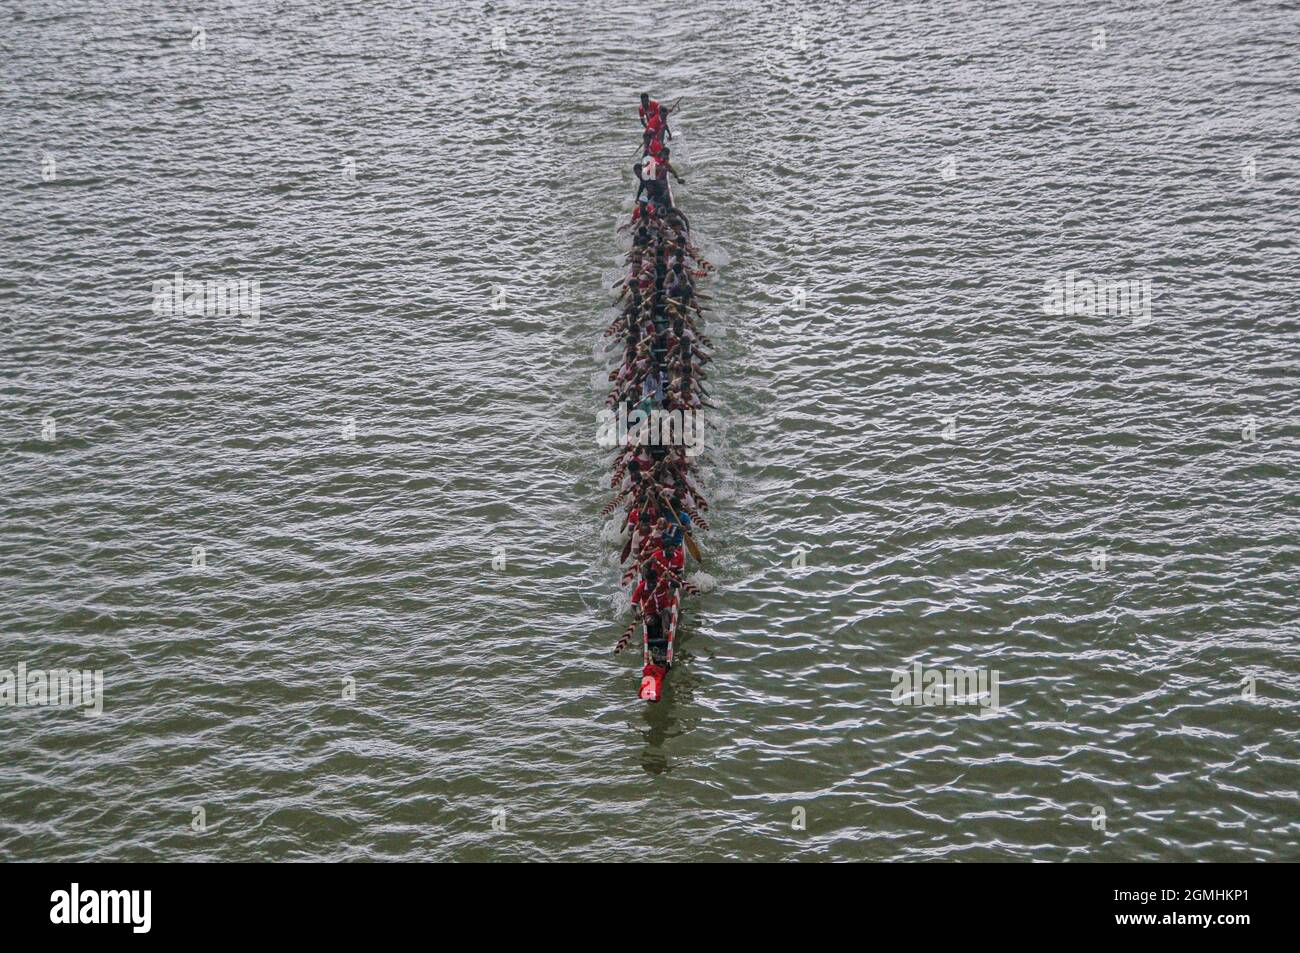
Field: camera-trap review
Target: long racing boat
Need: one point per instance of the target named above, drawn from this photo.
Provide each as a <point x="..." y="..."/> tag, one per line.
<point x="658" y="399"/>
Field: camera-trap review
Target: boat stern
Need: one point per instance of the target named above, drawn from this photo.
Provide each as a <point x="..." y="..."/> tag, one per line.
<point x="652" y="683"/>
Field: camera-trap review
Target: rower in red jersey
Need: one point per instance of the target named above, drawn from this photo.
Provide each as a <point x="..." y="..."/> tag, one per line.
<point x="676" y="555"/>
<point x="649" y="109"/>
<point x="640" y="524"/>
<point x="669" y="558"/>
<point x="653" y="594"/>
<point x="656" y="130"/>
<point x="654" y="597"/>
<point x="652" y="144"/>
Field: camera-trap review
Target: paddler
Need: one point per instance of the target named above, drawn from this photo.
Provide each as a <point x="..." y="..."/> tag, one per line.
<point x="679" y="521"/>
<point x="651" y="143"/>
<point x="643" y="185"/>
<point x="654" y="597"/>
<point x="656" y="130"/>
<point x="649" y="109"/>
<point x="673" y="556"/>
<point x="661" y="127"/>
<point x="641" y="524"/>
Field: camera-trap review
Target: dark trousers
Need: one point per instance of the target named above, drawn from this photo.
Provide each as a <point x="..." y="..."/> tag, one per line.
<point x="657" y="635"/>
<point x="658" y="191"/>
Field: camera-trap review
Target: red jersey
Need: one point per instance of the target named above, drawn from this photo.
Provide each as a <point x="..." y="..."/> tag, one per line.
<point x="653" y="600"/>
<point x="634" y="516"/>
<point x="654" y="169"/>
<point x="656" y="555"/>
<point x="676" y="562"/>
<point x="649" y="115"/>
<point x="649" y="543"/>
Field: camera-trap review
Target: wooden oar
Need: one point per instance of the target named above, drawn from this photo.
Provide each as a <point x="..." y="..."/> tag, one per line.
<point x="673" y="107"/>
<point x="686" y="533"/>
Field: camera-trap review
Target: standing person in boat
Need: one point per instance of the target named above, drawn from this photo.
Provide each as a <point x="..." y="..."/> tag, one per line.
<point x="651" y="144"/>
<point x="648" y="110"/>
<point x="654" y="114"/>
<point x="643" y="186"/>
<point x="656" y="131"/>
<point x="654" y="177"/>
<point x="664" y="131"/>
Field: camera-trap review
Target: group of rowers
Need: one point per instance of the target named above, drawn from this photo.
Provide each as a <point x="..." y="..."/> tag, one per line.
<point x="661" y="369"/>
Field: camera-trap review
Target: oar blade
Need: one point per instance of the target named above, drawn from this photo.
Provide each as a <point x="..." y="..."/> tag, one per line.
<point x="692" y="548"/>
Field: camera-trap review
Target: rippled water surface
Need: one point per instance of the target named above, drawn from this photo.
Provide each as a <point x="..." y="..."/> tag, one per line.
<point x="1102" y="509"/>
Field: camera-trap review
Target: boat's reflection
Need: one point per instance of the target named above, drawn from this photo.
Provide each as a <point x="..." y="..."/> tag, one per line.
<point x="663" y="720"/>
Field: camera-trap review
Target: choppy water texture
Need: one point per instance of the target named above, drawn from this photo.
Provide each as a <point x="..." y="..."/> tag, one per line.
<point x="920" y="170"/>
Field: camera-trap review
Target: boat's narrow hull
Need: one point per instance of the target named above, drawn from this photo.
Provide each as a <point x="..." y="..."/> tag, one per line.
<point x="660" y="371"/>
<point x="653" y="675"/>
